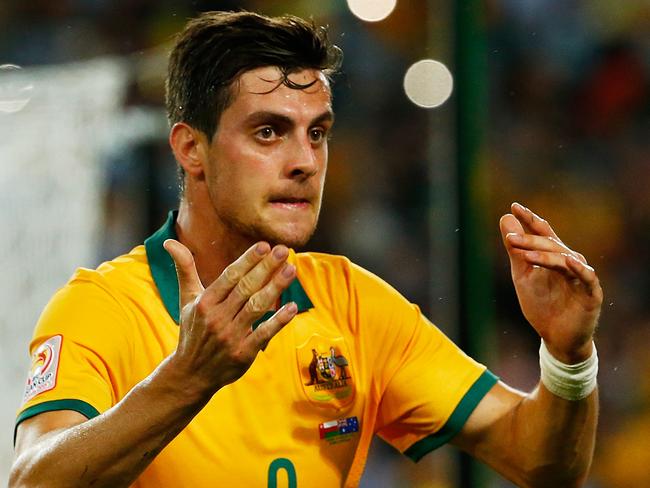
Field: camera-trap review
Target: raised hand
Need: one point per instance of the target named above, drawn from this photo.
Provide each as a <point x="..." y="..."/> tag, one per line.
<point x="217" y="344"/>
<point x="559" y="293"/>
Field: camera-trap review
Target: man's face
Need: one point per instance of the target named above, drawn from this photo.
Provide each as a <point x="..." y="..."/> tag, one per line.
<point x="268" y="158"/>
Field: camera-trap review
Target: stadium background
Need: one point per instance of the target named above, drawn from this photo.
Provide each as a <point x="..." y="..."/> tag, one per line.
<point x="85" y="174"/>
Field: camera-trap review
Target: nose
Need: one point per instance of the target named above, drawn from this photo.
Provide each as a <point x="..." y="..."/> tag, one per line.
<point x="303" y="160"/>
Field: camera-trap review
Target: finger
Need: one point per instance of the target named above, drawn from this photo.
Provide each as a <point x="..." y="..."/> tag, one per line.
<point x="584" y="272"/>
<point x="510" y="225"/>
<point x="580" y="257"/>
<point x="255" y="279"/>
<point x="549" y="260"/>
<point x="264" y="299"/>
<point x="261" y="336"/>
<point x="531" y="222"/>
<point x="189" y="283"/>
<point x="234" y="272"/>
<point x="537" y="243"/>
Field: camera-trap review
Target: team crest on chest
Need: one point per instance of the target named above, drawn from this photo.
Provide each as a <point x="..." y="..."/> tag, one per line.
<point x="325" y="371"/>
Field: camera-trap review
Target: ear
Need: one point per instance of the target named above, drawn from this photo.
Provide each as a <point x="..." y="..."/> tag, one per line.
<point x="190" y="148"/>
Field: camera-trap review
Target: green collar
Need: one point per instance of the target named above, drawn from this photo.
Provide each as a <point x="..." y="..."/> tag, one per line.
<point x="164" y="274"/>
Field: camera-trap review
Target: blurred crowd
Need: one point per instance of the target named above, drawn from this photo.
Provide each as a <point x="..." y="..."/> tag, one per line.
<point x="569" y="132"/>
<point x="567" y="135"/>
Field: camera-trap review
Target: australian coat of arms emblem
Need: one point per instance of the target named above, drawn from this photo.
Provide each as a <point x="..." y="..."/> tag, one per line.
<point x="325" y="371"/>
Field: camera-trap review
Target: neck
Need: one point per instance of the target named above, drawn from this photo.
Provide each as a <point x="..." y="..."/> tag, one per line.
<point x="201" y="231"/>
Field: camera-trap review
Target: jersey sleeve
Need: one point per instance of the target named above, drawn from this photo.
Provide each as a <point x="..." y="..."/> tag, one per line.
<point x="429" y="386"/>
<point x="82" y="331"/>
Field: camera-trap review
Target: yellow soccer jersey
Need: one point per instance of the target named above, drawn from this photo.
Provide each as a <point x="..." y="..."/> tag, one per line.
<point x="357" y="360"/>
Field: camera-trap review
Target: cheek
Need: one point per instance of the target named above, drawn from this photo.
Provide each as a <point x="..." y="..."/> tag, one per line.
<point x="247" y="162"/>
<point x="239" y="184"/>
<point x="323" y="170"/>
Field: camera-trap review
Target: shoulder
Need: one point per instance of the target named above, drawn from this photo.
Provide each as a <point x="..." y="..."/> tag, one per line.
<point x="120" y="275"/>
<point x="338" y="271"/>
<point x="319" y="261"/>
<point x="320" y="266"/>
<point x="95" y="296"/>
<point x="339" y="283"/>
<point x="127" y="269"/>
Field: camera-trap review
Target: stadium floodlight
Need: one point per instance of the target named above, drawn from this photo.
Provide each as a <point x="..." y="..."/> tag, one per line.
<point x="428" y="83"/>
<point x="372" y="10"/>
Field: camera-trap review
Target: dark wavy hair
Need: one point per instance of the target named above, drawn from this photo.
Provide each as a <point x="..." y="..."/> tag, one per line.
<point x="215" y="48"/>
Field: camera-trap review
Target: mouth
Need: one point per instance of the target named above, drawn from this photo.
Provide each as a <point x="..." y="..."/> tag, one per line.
<point x="290" y="202"/>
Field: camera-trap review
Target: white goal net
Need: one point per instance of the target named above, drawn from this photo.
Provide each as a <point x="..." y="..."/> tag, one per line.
<point x="53" y="125"/>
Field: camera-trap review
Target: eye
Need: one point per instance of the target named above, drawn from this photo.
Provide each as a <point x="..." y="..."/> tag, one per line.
<point x="317" y="136"/>
<point x="265" y="133"/>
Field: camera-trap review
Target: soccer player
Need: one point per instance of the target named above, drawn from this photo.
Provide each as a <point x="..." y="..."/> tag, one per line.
<point x="214" y="355"/>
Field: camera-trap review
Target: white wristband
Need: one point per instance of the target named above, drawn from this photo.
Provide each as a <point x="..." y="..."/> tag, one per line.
<point x="568" y="381"/>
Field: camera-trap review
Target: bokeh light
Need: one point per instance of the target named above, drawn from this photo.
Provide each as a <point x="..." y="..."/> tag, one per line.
<point x="428" y="83"/>
<point x="15" y="90"/>
<point x="372" y="10"/>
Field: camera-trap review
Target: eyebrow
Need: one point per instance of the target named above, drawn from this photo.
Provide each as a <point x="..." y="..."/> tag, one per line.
<point x="265" y="117"/>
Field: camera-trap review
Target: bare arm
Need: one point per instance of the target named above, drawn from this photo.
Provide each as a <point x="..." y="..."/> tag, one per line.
<point x="540" y="439"/>
<point x="533" y="440"/>
<point x="216" y="347"/>
<point x="64" y="448"/>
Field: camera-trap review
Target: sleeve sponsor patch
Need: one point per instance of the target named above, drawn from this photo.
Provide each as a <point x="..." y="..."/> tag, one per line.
<point x="44" y="368"/>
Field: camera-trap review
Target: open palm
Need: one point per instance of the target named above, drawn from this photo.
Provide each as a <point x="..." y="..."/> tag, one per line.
<point x="559" y="293"/>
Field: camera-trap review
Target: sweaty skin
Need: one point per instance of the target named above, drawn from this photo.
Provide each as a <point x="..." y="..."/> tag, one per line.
<point x="539" y="439"/>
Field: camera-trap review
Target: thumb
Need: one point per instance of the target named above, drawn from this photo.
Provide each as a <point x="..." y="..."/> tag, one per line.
<point x="189" y="283"/>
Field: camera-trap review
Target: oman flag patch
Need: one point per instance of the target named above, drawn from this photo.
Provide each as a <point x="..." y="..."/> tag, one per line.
<point x="45" y="365"/>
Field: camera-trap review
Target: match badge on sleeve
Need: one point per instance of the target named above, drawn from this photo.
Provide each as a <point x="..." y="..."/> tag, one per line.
<point x="45" y="364"/>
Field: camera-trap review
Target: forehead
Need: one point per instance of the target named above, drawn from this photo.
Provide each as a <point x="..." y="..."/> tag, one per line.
<point x="264" y="87"/>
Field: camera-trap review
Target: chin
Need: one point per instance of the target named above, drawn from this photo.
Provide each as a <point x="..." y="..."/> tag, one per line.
<point x="289" y="239"/>
<point x="290" y="235"/>
<point x="293" y="234"/>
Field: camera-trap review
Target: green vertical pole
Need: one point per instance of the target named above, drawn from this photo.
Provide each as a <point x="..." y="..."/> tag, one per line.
<point x="475" y="304"/>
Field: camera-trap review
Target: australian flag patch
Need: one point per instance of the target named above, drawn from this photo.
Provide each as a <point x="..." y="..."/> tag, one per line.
<point x="338" y="430"/>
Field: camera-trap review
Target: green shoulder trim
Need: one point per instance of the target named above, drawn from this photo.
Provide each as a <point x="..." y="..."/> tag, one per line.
<point x="164" y="274"/>
<point x="457" y="419"/>
<point x="162" y="265"/>
<point x="80" y="406"/>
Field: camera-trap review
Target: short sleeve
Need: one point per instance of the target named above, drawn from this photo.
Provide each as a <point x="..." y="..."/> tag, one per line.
<point x="428" y="385"/>
<point x="79" y="350"/>
<point x="432" y="393"/>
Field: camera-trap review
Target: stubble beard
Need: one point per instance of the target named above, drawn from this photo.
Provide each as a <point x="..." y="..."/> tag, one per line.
<point x="262" y="231"/>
